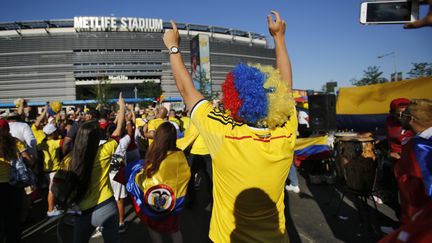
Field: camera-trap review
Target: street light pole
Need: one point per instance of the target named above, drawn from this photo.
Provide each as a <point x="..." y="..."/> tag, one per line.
<point x="394" y="62"/>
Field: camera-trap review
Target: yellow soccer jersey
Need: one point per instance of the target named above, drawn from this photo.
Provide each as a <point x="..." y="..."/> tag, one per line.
<point x="51" y="152"/>
<point x="174" y="171"/>
<point x="193" y="137"/>
<point x="250" y="166"/>
<point x="185" y="122"/>
<point x="100" y="185"/>
<point x="38" y="133"/>
<point x="5" y="165"/>
<point x="153" y="125"/>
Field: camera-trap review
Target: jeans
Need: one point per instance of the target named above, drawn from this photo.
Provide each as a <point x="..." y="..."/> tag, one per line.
<point x="293" y="175"/>
<point x="104" y="215"/>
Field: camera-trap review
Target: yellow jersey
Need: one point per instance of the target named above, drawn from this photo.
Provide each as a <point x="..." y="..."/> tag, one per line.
<point x="192" y="136"/>
<point x="250" y="166"/>
<point x="38" y="133"/>
<point x="5" y="165"/>
<point x="185" y="122"/>
<point x="51" y="154"/>
<point x="100" y="186"/>
<point x="153" y="125"/>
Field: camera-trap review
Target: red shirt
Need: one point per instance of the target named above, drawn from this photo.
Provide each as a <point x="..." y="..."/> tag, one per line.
<point x="395" y="134"/>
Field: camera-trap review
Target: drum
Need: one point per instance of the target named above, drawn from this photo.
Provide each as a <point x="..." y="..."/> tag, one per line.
<point x="356" y="162"/>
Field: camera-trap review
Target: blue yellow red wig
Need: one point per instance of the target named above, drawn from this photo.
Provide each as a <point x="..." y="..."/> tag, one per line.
<point x="256" y="95"/>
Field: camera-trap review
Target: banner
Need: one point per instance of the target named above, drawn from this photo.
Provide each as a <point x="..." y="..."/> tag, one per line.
<point x="365" y="108"/>
<point x="200" y="64"/>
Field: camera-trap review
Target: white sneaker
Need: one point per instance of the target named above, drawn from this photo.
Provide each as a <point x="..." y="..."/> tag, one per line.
<point x="291" y="188"/>
<point x="377" y="200"/>
<point x="54" y="213"/>
<point x="97" y="233"/>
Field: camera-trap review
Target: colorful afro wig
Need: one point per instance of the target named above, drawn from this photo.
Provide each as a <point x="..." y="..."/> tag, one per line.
<point x="256" y="95"/>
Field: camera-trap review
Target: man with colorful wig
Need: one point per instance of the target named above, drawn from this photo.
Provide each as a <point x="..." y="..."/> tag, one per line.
<point x="252" y="147"/>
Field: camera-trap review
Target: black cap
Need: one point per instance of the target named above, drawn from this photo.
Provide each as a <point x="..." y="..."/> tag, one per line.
<point x="94" y="113"/>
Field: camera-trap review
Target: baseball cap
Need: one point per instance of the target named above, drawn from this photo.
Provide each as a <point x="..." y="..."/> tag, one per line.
<point x="4" y="124"/>
<point x="399" y="103"/>
<point x="49" y="129"/>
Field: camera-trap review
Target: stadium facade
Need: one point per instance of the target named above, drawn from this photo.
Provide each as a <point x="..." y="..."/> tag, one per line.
<point x="62" y="59"/>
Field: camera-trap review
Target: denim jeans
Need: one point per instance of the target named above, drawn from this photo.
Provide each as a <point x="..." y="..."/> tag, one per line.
<point x="104" y="215"/>
<point x="293" y="175"/>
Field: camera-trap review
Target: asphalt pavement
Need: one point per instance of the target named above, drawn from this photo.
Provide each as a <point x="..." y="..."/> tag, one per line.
<point x="310" y="217"/>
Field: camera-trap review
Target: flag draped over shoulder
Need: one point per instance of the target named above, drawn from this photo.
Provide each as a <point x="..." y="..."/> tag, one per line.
<point x="156" y="198"/>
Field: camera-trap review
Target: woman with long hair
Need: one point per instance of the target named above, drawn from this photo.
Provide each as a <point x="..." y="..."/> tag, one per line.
<point x="12" y="196"/>
<point x="158" y="186"/>
<point x="90" y="162"/>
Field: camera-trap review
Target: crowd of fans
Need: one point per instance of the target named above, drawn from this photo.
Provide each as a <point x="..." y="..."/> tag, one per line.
<point x="90" y="159"/>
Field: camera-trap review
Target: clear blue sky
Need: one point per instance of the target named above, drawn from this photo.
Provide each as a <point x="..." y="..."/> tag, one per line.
<point x="324" y="38"/>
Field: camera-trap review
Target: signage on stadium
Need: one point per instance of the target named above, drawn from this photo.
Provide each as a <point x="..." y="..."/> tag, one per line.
<point x="83" y="23"/>
<point x="118" y="77"/>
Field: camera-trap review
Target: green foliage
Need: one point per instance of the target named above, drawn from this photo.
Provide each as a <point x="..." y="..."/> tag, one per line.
<point x="149" y="90"/>
<point x="103" y="91"/>
<point x="372" y="75"/>
<point x="420" y="69"/>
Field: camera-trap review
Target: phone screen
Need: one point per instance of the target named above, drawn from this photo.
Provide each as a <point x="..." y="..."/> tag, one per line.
<point x="388" y="12"/>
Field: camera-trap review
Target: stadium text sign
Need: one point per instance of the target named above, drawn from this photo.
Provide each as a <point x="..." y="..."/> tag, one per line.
<point x="83" y="23"/>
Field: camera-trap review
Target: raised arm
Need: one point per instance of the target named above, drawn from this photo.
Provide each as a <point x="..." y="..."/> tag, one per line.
<point x="120" y="117"/>
<point x="181" y="75"/>
<point x="277" y="30"/>
<point x="41" y="117"/>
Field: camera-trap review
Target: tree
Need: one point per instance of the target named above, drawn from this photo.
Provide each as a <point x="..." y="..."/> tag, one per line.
<point x="372" y="75"/>
<point x="420" y="69"/>
<point x="103" y="91"/>
<point x="149" y="90"/>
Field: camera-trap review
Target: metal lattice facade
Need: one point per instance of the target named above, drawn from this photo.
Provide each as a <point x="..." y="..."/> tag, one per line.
<point x="48" y="60"/>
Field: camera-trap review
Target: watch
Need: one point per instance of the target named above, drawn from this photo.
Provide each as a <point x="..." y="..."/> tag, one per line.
<point x="173" y="50"/>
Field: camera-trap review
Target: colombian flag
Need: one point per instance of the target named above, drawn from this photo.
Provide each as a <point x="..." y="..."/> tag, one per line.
<point x="365" y="108"/>
<point x="311" y="148"/>
<point x="161" y="195"/>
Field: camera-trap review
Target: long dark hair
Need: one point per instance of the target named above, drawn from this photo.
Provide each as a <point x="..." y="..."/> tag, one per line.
<point x="8" y="149"/>
<point x="83" y="155"/>
<point x="164" y="141"/>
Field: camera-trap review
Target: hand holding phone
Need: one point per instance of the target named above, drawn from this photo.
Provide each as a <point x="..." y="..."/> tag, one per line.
<point x="389" y="12"/>
<point x="426" y="21"/>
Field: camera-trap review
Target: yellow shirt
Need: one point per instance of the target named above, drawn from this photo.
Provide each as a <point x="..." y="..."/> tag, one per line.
<point x="153" y="125"/>
<point x="51" y="152"/>
<point x="100" y="186"/>
<point x="139" y="122"/>
<point x="174" y="171"/>
<point x="5" y="165"/>
<point x="185" y="122"/>
<point x="38" y="133"/>
<point x="192" y="136"/>
<point x="250" y="166"/>
<point x="173" y="119"/>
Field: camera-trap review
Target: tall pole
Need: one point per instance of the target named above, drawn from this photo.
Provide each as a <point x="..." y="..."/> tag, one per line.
<point x="394" y="62"/>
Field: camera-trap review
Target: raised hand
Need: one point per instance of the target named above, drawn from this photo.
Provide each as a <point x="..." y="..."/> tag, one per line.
<point x="276" y="27"/>
<point x="171" y="37"/>
<point x="121" y="101"/>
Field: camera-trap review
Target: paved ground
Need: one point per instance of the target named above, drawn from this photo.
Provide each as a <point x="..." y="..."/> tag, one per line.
<point x="310" y="218"/>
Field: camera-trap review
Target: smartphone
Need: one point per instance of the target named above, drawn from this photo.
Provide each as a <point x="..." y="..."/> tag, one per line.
<point x="389" y="12"/>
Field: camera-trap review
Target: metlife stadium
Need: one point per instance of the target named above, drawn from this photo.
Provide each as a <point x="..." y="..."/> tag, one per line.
<point x="63" y="59"/>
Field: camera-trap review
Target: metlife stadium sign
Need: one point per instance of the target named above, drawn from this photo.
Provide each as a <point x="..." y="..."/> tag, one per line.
<point x="117" y="24"/>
